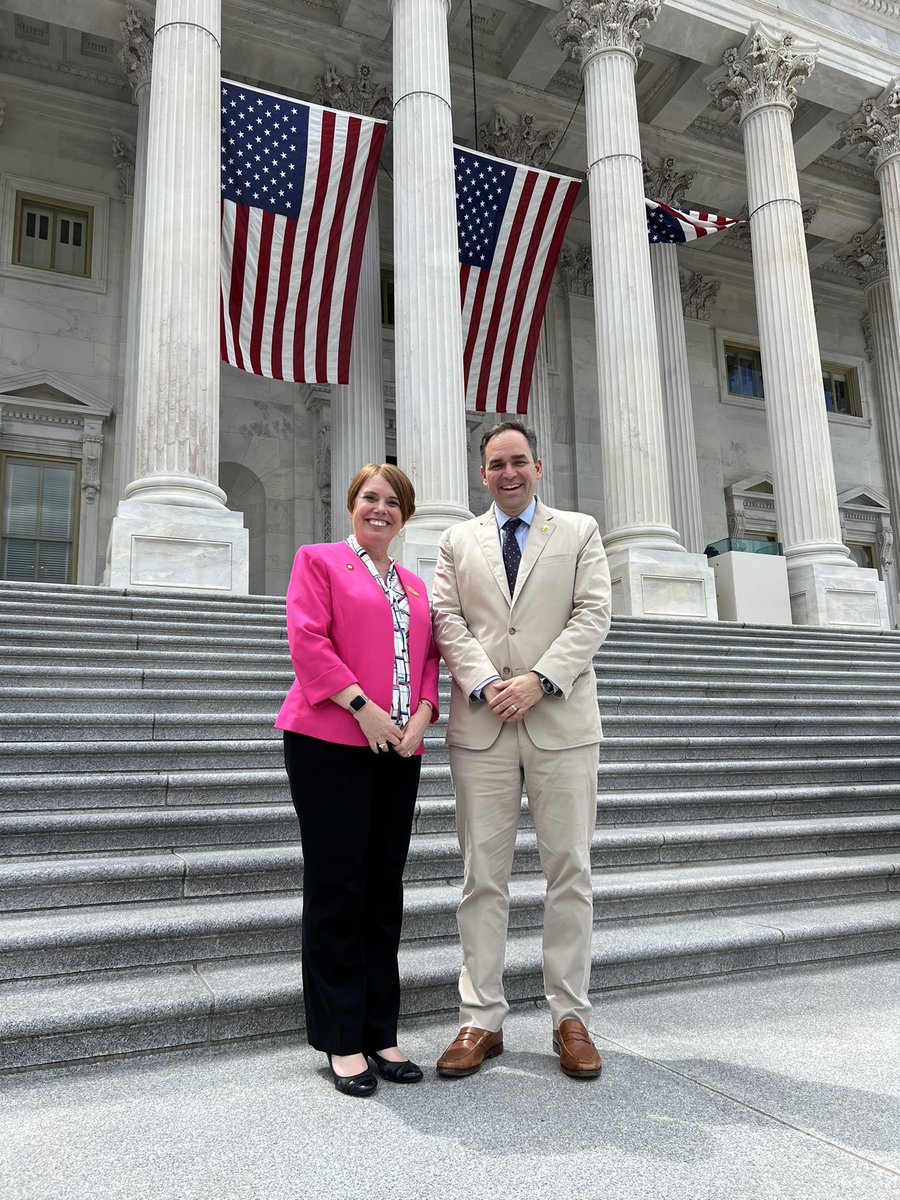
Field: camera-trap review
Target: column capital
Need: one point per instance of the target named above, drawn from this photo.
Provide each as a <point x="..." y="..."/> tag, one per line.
<point x="124" y="148"/>
<point x="697" y="294"/>
<point x="137" y="48"/>
<point x="666" y="183"/>
<point x="606" y="25"/>
<point x="525" y="143"/>
<point x="764" y="71"/>
<point x="358" y="94"/>
<point x="877" y="125"/>
<point x="866" y="255"/>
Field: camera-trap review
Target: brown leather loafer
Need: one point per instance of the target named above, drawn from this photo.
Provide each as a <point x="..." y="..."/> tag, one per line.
<point x="578" y="1056"/>
<point x="468" y="1050"/>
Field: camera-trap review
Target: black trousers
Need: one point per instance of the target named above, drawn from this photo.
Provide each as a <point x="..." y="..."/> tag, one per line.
<point x="355" y="810"/>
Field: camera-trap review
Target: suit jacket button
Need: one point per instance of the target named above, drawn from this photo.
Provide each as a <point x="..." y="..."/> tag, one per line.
<point x="512" y="630"/>
<point x="506" y="672"/>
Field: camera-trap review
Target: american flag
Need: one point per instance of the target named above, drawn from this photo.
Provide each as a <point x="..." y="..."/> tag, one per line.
<point x="511" y="221"/>
<point x="297" y="185"/>
<point x="666" y="224"/>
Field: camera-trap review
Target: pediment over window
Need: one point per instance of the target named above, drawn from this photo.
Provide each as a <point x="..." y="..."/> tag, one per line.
<point x="45" y="390"/>
<point x="863" y="497"/>
<point x="753" y="485"/>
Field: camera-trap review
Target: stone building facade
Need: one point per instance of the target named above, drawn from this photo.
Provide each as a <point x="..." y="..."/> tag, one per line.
<point x="746" y="384"/>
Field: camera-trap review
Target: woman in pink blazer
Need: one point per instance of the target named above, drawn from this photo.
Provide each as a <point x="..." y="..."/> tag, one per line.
<point x="359" y="629"/>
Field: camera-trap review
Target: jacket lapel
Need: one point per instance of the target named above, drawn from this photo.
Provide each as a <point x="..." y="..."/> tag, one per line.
<point x="489" y="540"/>
<point x="542" y="529"/>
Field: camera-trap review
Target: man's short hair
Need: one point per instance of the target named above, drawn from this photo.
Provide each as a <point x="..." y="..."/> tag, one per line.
<point x="509" y="427"/>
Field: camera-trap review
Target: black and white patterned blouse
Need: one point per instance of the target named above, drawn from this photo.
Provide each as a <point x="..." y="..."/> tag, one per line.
<point x="399" y="602"/>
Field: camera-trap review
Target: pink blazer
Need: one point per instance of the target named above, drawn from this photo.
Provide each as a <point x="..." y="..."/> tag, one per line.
<point x="341" y="631"/>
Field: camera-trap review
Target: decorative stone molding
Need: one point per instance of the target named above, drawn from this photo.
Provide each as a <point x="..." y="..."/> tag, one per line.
<point x="722" y="131"/>
<point x="738" y="237"/>
<point x="667" y="184"/>
<point x="524" y="143"/>
<point x="359" y="94"/>
<point x="137" y="50"/>
<point x="877" y="126"/>
<point x="808" y="214"/>
<point x="607" y="25"/>
<point x="866" y="322"/>
<point x="124" y="148"/>
<point x="60" y="67"/>
<point x="866" y="257"/>
<point x="884" y="540"/>
<point x="766" y="69"/>
<point x="91" y="455"/>
<point x="576" y="269"/>
<point x="2" y="113"/>
<point x="697" y="294"/>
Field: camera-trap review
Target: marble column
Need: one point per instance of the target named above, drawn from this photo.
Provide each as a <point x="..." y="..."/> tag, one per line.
<point x="666" y="184"/>
<point x="877" y="127"/>
<point x="172" y="529"/>
<point x="652" y="574"/>
<point x="867" y="256"/>
<point x="137" y="63"/>
<point x="357" y="408"/>
<point x="431" y="411"/>
<point x="758" y="82"/>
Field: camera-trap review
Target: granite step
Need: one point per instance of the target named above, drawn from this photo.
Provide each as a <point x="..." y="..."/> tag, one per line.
<point x="23" y="628"/>
<point x="262" y="704"/>
<point x="87" y="676"/>
<point x="74" y="1017"/>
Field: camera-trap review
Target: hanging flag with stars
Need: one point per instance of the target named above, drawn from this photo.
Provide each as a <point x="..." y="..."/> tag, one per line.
<point x="297" y="185"/>
<point x="667" y="224"/>
<point x="511" y="221"/>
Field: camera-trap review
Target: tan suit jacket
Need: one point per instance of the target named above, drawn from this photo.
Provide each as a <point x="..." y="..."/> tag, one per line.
<point x="554" y="623"/>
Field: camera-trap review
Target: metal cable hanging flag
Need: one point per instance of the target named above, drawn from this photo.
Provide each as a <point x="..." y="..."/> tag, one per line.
<point x="297" y="183"/>
<point x="667" y="224"/>
<point x="511" y="220"/>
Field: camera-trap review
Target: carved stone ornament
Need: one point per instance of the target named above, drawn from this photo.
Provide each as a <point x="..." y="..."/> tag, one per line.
<point x="667" y="184"/>
<point x="865" y="322"/>
<point x="91" y="453"/>
<point x="766" y="69"/>
<point x="698" y="293"/>
<point x="124" y="148"/>
<point x="359" y="94"/>
<point x="884" y="539"/>
<point x="866" y="256"/>
<point x="523" y="143"/>
<point x="576" y="269"/>
<point x="738" y="236"/>
<point x="877" y="126"/>
<point x="606" y="25"/>
<point x="137" y="51"/>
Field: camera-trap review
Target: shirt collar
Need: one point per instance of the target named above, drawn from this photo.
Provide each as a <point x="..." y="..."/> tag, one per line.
<point x="358" y="549"/>
<point x="526" y="517"/>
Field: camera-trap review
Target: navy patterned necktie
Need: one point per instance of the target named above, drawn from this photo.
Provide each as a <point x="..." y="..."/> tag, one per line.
<point x="512" y="555"/>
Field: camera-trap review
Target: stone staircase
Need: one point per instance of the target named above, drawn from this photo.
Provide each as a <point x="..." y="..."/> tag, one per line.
<point x="748" y="816"/>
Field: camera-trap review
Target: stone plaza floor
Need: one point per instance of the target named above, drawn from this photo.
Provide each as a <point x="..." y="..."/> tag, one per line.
<point x="767" y="1085"/>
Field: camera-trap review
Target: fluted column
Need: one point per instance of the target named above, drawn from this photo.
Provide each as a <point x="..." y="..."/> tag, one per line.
<point x="605" y="40"/>
<point x="431" y="421"/>
<point x="172" y="528"/>
<point x="868" y="257"/>
<point x="684" y="479"/>
<point x="137" y="62"/>
<point x="759" y="82"/>
<point x="357" y="408"/>
<point x="539" y="418"/>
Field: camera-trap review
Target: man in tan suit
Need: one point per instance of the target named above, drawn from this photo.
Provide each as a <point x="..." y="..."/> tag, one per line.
<point x="521" y="603"/>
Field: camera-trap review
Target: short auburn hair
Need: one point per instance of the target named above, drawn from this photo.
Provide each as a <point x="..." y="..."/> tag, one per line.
<point x="394" y="477"/>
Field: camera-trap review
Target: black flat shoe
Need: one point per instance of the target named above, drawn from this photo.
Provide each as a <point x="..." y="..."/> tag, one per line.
<point x="395" y="1072"/>
<point x="363" y="1084"/>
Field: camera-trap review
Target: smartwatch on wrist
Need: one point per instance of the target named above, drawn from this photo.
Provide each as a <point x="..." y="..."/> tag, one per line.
<point x="358" y="703"/>
<point x="549" y="689"/>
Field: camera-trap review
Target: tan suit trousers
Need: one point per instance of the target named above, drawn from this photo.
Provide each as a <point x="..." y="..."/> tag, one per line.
<point x="562" y="797"/>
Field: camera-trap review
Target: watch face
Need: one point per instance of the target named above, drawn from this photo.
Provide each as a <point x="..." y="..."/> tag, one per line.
<point x="357" y="703"/>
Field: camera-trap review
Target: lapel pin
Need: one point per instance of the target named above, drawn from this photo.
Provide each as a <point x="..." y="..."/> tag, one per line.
<point x="544" y="528"/>
<point x="413" y="592"/>
<point x="349" y="566"/>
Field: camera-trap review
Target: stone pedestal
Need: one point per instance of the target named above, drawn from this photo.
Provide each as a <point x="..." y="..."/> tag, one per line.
<point x="605" y="41"/>
<point x="759" y="81"/>
<point x="177" y="420"/>
<point x="431" y="410"/>
<point x="834" y="595"/>
<point x="752" y="588"/>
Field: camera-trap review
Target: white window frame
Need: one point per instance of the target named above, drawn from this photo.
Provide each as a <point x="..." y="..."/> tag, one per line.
<point x="10" y="187"/>
<point x="732" y="336"/>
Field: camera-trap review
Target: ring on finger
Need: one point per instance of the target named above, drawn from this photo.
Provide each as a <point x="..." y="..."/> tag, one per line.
<point x="382" y="745"/>
<point x="513" y="708"/>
